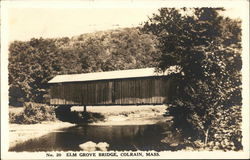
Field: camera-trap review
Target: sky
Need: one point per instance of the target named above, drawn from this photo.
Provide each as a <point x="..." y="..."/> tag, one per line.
<point x="26" y="23"/>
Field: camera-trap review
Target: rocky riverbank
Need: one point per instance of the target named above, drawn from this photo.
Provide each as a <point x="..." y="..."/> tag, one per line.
<point x="128" y="115"/>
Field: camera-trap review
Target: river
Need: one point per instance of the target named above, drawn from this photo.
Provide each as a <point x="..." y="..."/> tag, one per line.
<point x="119" y="138"/>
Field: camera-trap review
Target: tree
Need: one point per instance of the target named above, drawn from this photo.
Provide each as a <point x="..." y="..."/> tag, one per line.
<point x="206" y="47"/>
<point x="33" y="63"/>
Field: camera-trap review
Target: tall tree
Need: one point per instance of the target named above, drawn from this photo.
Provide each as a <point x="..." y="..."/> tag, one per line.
<point x="206" y="48"/>
<point x="31" y="65"/>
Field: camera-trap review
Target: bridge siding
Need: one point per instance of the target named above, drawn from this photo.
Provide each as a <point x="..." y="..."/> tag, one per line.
<point x="152" y="90"/>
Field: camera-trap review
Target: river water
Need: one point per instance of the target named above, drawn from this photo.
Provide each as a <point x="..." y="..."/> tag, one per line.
<point x="119" y="138"/>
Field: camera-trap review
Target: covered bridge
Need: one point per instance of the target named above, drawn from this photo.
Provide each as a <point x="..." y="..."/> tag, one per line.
<point x="124" y="87"/>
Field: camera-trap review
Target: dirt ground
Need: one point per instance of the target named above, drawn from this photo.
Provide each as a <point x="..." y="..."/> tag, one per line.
<point x="114" y="115"/>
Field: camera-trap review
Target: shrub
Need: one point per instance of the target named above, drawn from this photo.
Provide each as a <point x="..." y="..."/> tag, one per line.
<point x="12" y="117"/>
<point x="64" y="114"/>
<point x="227" y="130"/>
<point x="33" y="113"/>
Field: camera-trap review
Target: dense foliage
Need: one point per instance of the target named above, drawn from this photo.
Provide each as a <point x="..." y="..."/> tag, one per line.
<point x="33" y="63"/>
<point x="33" y="113"/>
<point x="64" y="113"/>
<point x="207" y="49"/>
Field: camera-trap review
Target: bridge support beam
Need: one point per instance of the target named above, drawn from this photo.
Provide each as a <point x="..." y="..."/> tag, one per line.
<point x="84" y="108"/>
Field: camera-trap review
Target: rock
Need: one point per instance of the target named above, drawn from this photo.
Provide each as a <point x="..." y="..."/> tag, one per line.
<point x="173" y="145"/>
<point x="92" y="146"/>
<point x="211" y="143"/>
<point x="217" y="143"/>
<point x="189" y="148"/>
<point x="88" y="146"/>
<point x="102" y="146"/>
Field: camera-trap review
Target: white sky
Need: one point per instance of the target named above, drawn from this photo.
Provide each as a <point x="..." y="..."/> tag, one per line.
<point x="26" y="23"/>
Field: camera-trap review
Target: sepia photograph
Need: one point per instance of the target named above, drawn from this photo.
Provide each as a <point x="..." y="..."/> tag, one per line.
<point x="144" y="80"/>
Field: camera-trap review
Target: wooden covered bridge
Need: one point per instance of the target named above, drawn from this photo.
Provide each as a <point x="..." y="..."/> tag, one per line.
<point x="124" y="87"/>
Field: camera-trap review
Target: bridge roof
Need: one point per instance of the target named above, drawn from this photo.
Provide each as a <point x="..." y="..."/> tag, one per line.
<point x="120" y="74"/>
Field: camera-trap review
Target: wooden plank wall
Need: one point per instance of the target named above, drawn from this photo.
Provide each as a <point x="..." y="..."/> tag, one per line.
<point x="155" y="90"/>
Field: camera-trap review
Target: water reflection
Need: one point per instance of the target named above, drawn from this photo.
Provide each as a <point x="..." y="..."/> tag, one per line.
<point x="135" y="137"/>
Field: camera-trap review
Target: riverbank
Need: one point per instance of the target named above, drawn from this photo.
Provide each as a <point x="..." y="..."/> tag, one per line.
<point x="130" y="115"/>
<point x="114" y="115"/>
<point x="19" y="133"/>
